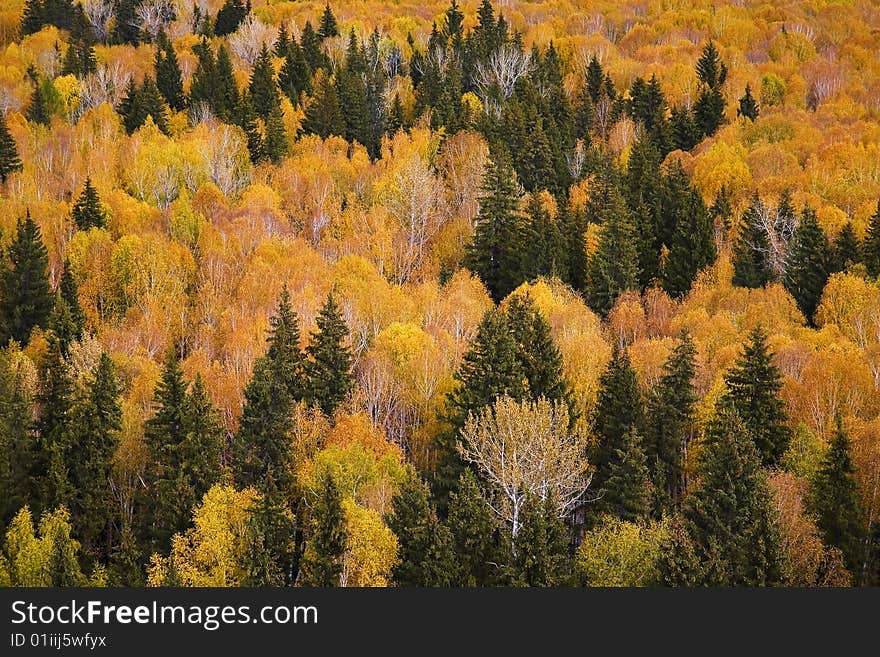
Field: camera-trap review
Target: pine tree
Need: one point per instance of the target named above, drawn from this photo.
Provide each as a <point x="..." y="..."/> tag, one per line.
<point x="87" y="211"/>
<point x="295" y="77"/>
<point x="328" y="26"/>
<point x="324" y="113"/>
<point x="96" y="426"/>
<point x="16" y="440"/>
<point x="834" y="501"/>
<point x="230" y="16"/>
<point x="322" y="560"/>
<point x="227" y="98"/>
<point x="729" y="532"/>
<point x="619" y="409"/>
<point x="329" y="364"/>
<point x="692" y="248"/>
<point x="62" y="324"/>
<point x="495" y="254"/>
<point x="709" y="111"/>
<point x="282" y="41"/>
<point x="710" y="69"/>
<point x="79" y="60"/>
<point x="540" y="556"/>
<point x="753" y="386"/>
<point x="125" y="22"/>
<point x="271" y="546"/>
<point x="670" y="418"/>
<point x="684" y="128"/>
<point x="69" y="292"/>
<point x="628" y="488"/>
<point x="275" y="143"/>
<point x="750" y="265"/>
<point x="141" y="102"/>
<point x="425" y="556"/>
<point x="204" y="438"/>
<point x="311" y="47"/>
<point x="25" y="298"/>
<point x="263" y="90"/>
<point x="846" y="250"/>
<point x="473" y="529"/>
<point x="169" y="79"/>
<point x="9" y="159"/>
<point x="613" y="268"/>
<point x="807" y="264"/>
<point x="40" y="108"/>
<point x="748" y="106"/>
<point x="871" y="247"/>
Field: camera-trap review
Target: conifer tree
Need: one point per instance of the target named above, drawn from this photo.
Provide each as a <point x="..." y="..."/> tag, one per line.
<point x="282" y="41"/>
<point x="204" y="437"/>
<point x="125" y="22"/>
<point x="846" y="250"/>
<point x="69" y="293"/>
<point x="226" y="86"/>
<point x="324" y="113"/>
<point x="87" y="211"/>
<point x="495" y="254"/>
<point x="709" y="111"/>
<point x="16" y="439"/>
<point x="683" y="125"/>
<point x="329" y="365"/>
<point x="871" y="247"/>
<point x="40" y="109"/>
<point x="834" y="501"/>
<point x="263" y="90"/>
<point x="692" y="247"/>
<point x="748" y="106"/>
<point x="472" y="526"/>
<point x="750" y="265"/>
<point x="424" y="544"/>
<point x="710" y="69"/>
<point x="62" y="325"/>
<point x="295" y="77"/>
<point x="141" y="102"/>
<point x="540" y="548"/>
<point x="627" y="490"/>
<point x="753" y="385"/>
<point x="322" y="560"/>
<point x="271" y="546"/>
<point x="670" y="428"/>
<point x="25" y="298"/>
<point x="729" y="532"/>
<point x="274" y="146"/>
<point x="613" y="268"/>
<point x="807" y="264"/>
<point x="9" y="159"/>
<point x="169" y="79"/>
<point x="311" y="47"/>
<point x="328" y="26"/>
<point x="79" y="60"/>
<point x="230" y="16"/>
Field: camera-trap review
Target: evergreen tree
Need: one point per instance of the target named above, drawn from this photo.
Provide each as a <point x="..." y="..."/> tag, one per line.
<point x="425" y="556"/>
<point x="846" y="250"/>
<point x="670" y="418"/>
<point x="204" y="438"/>
<point x="275" y="144"/>
<point x="62" y="324"/>
<point x="753" y="386"/>
<point x="25" y="298"/>
<point x="69" y="293"/>
<point x="685" y="132"/>
<point x="473" y="530"/>
<point x="87" y="211"/>
<point x="204" y="88"/>
<point x="709" y="111"/>
<point x="692" y="248"/>
<point x="230" y="16"/>
<point x="750" y="265"/>
<point x="748" y="106"/>
<point x="311" y="47"/>
<point x="141" y="102"/>
<point x="322" y="560"/>
<point x="79" y="60"/>
<point x="125" y="22"/>
<point x="329" y="364"/>
<point x="324" y="113"/>
<point x="495" y="254"/>
<point x="328" y="26"/>
<point x="729" y="532"/>
<point x="295" y="77"/>
<point x="16" y="440"/>
<point x="9" y="159"/>
<point x="834" y="501"/>
<point x="628" y="488"/>
<point x="226" y="86"/>
<point x="282" y="41"/>
<point x="40" y="109"/>
<point x="263" y="90"/>
<point x="540" y="556"/>
<point x="613" y="268"/>
<point x="807" y="264"/>
<point x="710" y="69"/>
<point x="169" y="79"/>
<point x="871" y="247"/>
<point x="271" y="544"/>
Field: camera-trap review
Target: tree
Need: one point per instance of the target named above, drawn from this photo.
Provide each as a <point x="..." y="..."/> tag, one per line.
<point x="540" y="556"/>
<point x="68" y="295"/>
<point x="753" y="385"/>
<point x="329" y="365"/>
<point x="79" y="60"/>
<point x="87" y="211"/>
<point x="834" y="500"/>
<point x="49" y="559"/>
<point x="617" y="553"/>
<point x="871" y="247"/>
<point x="125" y="22"/>
<point x="25" y="297"/>
<point x="473" y="528"/>
<point x="141" y="102"/>
<point x="751" y="266"/>
<point x="322" y="559"/>
<point x="9" y="159"/>
<point x="262" y="89"/>
<point x="328" y="27"/>
<point x="748" y="106"/>
<point x="323" y="112"/>
<point x="692" y="247"/>
<point x="627" y="489"/>
<point x="807" y="264"/>
<point x="16" y="438"/>
<point x="670" y="427"/>
<point x="204" y="440"/>
<point x="613" y="268"/>
<point x="275" y="144"/>
<point x="710" y="69"/>
<point x="729" y="533"/>
<point x="425" y="556"/>
<point x="42" y="103"/>
<point x="295" y="77"/>
<point x="846" y="250"/>
<point x="230" y="16"/>
<point x="169" y="79"/>
<point x="495" y="254"/>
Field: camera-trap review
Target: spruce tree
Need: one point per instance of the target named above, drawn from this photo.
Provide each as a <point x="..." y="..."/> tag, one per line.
<point x="323" y="112"/>
<point x="40" y="108"/>
<point x="328" y="26"/>
<point x="295" y="77"/>
<point x="87" y="211"/>
<point x="169" y="79"/>
<point x="834" y="501"/>
<point x="230" y="16"/>
<point x="871" y="247"/>
<point x="750" y="264"/>
<point x="9" y="160"/>
<point x="684" y="128"/>
<point x="846" y="250"/>
<point x="807" y="264"/>
<point x="311" y="47"/>
<point x="628" y="487"/>
<point x="25" y="298"/>
<point x="328" y="368"/>
<point x="425" y="556"/>
<point x="16" y="439"/>
<point x="79" y="60"/>
<point x="495" y="253"/>
<point x="729" y="532"/>
<point x="709" y="111"/>
<point x="613" y="268"/>
<point x="472" y="526"/>
<point x="670" y="425"/>
<point x="69" y="292"/>
<point x="322" y="560"/>
<point x="263" y="90"/>
<point x="710" y="69"/>
<point x="748" y="106"/>
<point x="282" y="41"/>
<point x="753" y="386"/>
<point x="271" y="545"/>
<point x="62" y="324"/>
<point x="692" y="247"/>
<point x="540" y="548"/>
<point x="203" y="444"/>
<point x="275" y="145"/>
<point x="227" y="98"/>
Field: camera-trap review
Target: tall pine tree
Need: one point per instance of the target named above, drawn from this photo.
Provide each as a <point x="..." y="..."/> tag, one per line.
<point x="330" y="379"/>
<point x="25" y="297"/>
<point x="807" y="264"/>
<point x="322" y="560"/>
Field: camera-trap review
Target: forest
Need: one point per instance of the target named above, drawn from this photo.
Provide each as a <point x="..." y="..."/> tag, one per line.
<point x="544" y="293"/>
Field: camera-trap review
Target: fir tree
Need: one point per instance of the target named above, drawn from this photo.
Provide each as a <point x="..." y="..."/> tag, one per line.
<point x="87" y="211"/>
<point x="9" y="159"/>
<point x="324" y="113"/>
<point x="25" y="298"/>
<point x="263" y="90"/>
<point x="729" y="532"/>
<point x="871" y="247"/>
<point x="125" y="22"/>
<point x="473" y="529"/>
<point x="807" y="264"/>
<point x="204" y="88"/>
<point x="710" y="69"/>
<point x="16" y="440"/>
<point x="750" y="265"/>
<point x="540" y="556"/>
<point x="69" y="292"/>
<point x="275" y="144"/>
<point x="311" y="47"/>
<point x="230" y="16"/>
<point x="79" y="60"/>
<point x="627" y="489"/>
<point x="748" y="106"/>
<point x="692" y="247"/>
<point x="169" y="79"/>
<point x="295" y="77"/>
<point x="282" y="41"/>
<point x="670" y="418"/>
<point x="835" y="502"/>
<point x="203" y="443"/>
<point x="226" y="86"/>
<point x="685" y="131"/>
<point x="495" y="254"/>
<point x="40" y="108"/>
<point x="709" y="111"/>
<point x="846" y="250"/>
<point x="322" y="560"/>
<point x="753" y="385"/>
<point x="329" y="365"/>
<point x="425" y="545"/>
<point x="271" y="546"/>
<point x="328" y="27"/>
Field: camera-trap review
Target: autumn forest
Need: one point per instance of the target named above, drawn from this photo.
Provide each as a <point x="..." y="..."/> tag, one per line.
<point x="464" y="293"/>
